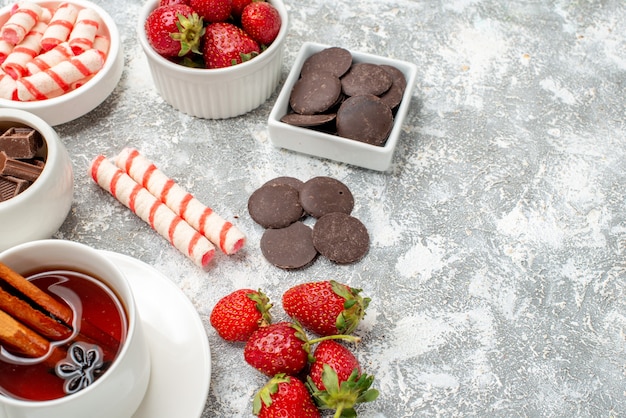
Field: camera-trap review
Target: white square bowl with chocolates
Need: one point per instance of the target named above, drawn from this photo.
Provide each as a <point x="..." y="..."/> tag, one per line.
<point x="343" y="105"/>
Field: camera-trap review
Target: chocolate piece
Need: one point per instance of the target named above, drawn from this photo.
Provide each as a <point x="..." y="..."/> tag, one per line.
<point x="334" y="60"/>
<point x="20" y="169"/>
<point x="322" y="195"/>
<point x="365" y="118"/>
<point x="393" y="96"/>
<point x="11" y="187"/>
<point x="291" y="181"/>
<point x="315" y="93"/>
<point x="275" y="205"/>
<point x="340" y="237"/>
<point x="20" y="142"/>
<point x="290" y="247"/>
<point x="396" y="75"/>
<point x="306" y="121"/>
<point x="366" y="78"/>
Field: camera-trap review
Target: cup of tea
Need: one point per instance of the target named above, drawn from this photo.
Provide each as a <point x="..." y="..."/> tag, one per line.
<point x="71" y="340"/>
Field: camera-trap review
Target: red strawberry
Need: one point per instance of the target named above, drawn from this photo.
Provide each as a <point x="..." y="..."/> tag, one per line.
<point x="212" y="10"/>
<point x="226" y="44"/>
<point x="284" y="396"/>
<point x="277" y="348"/>
<point x="237" y="7"/>
<point x="237" y="315"/>
<point x="335" y="380"/>
<point x="325" y="308"/>
<point x="174" y="30"/>
<point x="261" y="21"/>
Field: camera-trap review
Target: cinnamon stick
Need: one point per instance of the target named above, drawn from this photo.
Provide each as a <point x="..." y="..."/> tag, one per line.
<point x="38" y="296"/>
<point x="36" y="320"/>
<point x="21" y="339"/>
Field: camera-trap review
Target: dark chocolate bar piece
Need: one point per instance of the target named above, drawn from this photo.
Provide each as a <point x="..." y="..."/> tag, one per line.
<point x="11" y="187"/>
<point x="20" y="169"/>
<point x="19" y="142"/>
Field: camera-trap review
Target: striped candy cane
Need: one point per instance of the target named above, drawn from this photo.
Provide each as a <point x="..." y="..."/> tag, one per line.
<point x="85" y="29"/>
<point x="23" y="18"/>
<point x="152" y="211"/>
<point x="60" y="26"/>
<point x="60" y="77"/>
<point x="219" y="231"/>
<point x="16" y="63"/>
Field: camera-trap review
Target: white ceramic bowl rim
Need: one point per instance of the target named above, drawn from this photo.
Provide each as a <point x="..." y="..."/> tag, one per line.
<point x="49" y="136"/>
<point x="111" y="56"/>
<point x="129" y="305"/>
<point x="239" y="69"/>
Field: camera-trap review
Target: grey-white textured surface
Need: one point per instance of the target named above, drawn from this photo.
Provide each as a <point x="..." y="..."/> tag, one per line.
<point x="497" y="265"/>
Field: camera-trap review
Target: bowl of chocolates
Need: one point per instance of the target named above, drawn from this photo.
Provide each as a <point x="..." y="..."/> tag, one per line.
<point x="36" y="179"/>
<point x="343" y="105"/>
<point x="58" y="59"/>
<point x="214" y="62"/>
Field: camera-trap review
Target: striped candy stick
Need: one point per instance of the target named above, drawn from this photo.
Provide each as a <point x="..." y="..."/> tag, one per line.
<point x="60" y="26"/>
<point x="50" y="58"/>
<point x="170" y="226"/>
<point x="23" y="17"/>
<point x="62" y="76"/>
<point x="219" y="231"/>
<point x="8" y="86"/>
<point x="16" y="63"/>
<point x="83" y="34"/>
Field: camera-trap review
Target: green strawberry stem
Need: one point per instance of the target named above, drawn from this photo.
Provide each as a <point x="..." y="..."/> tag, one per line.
<point x="342" y="397"/>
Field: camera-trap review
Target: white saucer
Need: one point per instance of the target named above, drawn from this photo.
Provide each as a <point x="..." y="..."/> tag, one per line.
<point x="179" y="346"/>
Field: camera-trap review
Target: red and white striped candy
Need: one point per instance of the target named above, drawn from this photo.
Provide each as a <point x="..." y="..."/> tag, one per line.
<point x="151" y="210"/>
<point x="219" y="231"/>
<point x="60" y="26"/>
<point x="85" y="29"/>
<point x="49" y="59"/>
<point x="24" y="52"/>
<point x="60" y="77"/>
<point x="8" y="86"/>
<point x="23" y="18"/>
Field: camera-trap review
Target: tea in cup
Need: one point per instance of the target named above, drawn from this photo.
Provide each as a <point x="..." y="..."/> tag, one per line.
<point x="72" y="344"/>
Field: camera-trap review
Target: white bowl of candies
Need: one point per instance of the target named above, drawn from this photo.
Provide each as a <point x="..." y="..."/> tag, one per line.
<point x="214" y="59"/>
<point x="58" y="59"/>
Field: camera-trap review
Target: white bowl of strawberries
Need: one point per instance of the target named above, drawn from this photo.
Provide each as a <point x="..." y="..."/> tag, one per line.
<point x="214" y="59"/>
<point x="67" y="63"/>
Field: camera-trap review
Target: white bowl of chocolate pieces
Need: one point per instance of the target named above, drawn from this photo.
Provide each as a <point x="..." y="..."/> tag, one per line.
<point x="342" y="105"/>
<point x="284" y="206"/>
<point x="36" y="179"/>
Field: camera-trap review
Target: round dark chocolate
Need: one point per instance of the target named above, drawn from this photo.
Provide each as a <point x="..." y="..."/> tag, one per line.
<point x="315" y="93"/>
<point x="335" y="60"/>
<point x="291" y="181"/>
<point x="340" y="238"/>
<point x="290" y="247"/>
<point x="365" y="118"/>
<point x="366" y="78"/>
<point x="396" y="75"/>
<point x="306" y="121"/>
<point x="275" y="205"/>
<point x="322" y="195"/>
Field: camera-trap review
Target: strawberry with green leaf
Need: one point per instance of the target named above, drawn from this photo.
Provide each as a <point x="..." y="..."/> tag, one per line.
<point x="174" y="30"/>
<point x="284" y="396"/>
<point x="226" y="44"/>
<point x="335" y="379"/>
<point x="237" y="315"/>
<point x="325" y="307"/>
